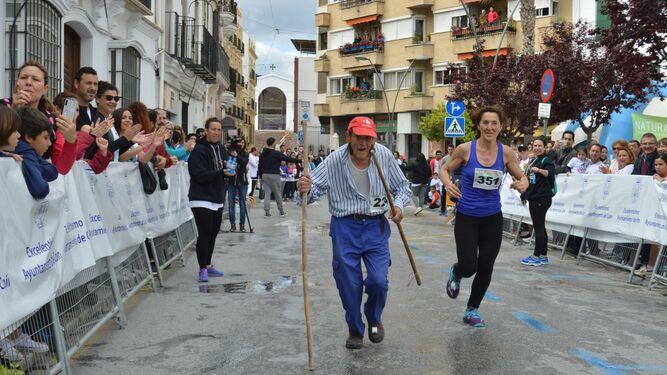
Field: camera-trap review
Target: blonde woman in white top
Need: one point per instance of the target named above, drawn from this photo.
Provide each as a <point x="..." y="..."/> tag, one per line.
<point x="625" y="160"/>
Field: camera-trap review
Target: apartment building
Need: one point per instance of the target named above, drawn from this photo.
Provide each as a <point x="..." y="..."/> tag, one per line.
<point x="240" y="114"/>
<point x="393" y="60"/>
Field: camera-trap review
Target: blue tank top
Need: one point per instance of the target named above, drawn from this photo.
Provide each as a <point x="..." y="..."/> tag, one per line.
<point x="480" y="185"/>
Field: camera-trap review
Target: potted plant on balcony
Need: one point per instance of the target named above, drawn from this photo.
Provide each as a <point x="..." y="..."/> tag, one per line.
<point x="352" y="92"/>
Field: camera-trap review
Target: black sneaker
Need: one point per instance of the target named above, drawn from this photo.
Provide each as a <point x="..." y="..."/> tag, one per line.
<point x="242" y="228"/>
<point x="267" y="214"/>
<point x="375" y="332"/>
<point x="232" y="228"/>
<point x="354" y="341"/>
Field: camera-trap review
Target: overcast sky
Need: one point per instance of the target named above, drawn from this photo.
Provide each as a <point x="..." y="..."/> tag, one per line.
<point x="293" y="19"/>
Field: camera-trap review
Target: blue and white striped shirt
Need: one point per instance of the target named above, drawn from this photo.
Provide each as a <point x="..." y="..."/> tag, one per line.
<point x="333" y="176"/>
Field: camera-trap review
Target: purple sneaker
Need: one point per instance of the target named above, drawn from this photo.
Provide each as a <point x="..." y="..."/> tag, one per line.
<point x="203" y="275"/>
<point x="453" y="284"/>
<point x="213" y="272"/>
<point x="471" y="317"/>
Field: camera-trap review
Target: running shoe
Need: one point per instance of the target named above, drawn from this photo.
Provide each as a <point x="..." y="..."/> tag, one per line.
<point x="203" y="275"/>
<point x="531" y="261"/>
<point x="544" y="260"/>
<point x="453" y="284"/>
<point x="471" y="317"/>
<point x="214" y="272"/>
<point x="418" y="211"/>
<point x="267" y="214"/>
<point x="442" y="213"/>
<point x="283" y="214"/>
<point x="26" y="343"/>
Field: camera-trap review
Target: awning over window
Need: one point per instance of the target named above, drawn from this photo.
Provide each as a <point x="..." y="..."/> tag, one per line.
<point x="487" y="53"/>
<point x="359" y="20"/>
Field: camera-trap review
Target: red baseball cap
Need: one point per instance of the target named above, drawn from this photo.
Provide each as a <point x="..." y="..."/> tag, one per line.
<point x="362" y="126"/>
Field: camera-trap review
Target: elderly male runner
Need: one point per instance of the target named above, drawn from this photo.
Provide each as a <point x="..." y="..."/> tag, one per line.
<point x="359" y="229"/>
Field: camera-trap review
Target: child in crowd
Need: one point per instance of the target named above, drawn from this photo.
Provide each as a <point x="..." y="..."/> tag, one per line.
<point x="10" y="123"/>
<point x="661" y="169"/>
<point x="579" y="164"/>
<point x="662" y="146"/>
<point x="433" y="198"/>
<point x="35" y="140"/>
<point x="435" y="181"/>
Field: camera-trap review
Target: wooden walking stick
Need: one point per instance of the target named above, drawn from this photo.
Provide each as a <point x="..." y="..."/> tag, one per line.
<point x="393" y="212"/>
<point x="304" y="252"/>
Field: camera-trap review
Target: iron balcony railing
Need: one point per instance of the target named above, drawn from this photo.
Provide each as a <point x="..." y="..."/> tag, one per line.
<point x="195" y="47"/>
<point x="230" y="6"/>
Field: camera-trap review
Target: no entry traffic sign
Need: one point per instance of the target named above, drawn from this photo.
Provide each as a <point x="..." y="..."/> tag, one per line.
<point x="547" y="85"/>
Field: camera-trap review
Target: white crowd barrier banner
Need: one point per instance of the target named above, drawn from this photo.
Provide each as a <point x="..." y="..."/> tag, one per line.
<point x="45" y="243"/>
<point x="613" y="206"/>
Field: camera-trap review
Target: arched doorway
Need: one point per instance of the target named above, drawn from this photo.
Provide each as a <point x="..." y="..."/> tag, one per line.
<point x="72" y="42"/>
<point x="272" y="109"/>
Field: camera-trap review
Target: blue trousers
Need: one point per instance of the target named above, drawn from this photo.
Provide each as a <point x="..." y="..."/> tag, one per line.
<point x="354" y="240"/>
<point x="232" y="193"/>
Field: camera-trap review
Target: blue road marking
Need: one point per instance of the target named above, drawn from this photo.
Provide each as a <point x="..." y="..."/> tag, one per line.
<point x="430" y="260"/>
<point x="532" y="322"/>
<point x="492" y="297"/>
<point x="611" y="369"/>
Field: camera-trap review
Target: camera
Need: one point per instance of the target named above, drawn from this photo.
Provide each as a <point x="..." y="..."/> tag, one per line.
<point x="234" y="144"/>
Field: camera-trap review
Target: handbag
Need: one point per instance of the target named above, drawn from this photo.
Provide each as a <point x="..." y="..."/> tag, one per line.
<point x="148" y="179"/>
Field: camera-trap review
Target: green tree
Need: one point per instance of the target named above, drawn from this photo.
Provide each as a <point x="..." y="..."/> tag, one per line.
<point x="432" y="126"/>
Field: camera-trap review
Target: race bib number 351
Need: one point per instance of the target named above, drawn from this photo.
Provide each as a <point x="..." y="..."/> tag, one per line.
<point x="378" y="203"/>
<point x="487" y="179"/>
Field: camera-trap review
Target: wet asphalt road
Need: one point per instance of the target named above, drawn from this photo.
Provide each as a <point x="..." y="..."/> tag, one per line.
<point x="560" y="319"/>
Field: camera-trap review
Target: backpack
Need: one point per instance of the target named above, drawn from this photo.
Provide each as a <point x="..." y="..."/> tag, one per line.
<point x="554" y="188"/>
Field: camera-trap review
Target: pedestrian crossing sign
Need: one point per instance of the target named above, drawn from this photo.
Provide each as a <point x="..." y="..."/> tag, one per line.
<point x="455" y="127"/>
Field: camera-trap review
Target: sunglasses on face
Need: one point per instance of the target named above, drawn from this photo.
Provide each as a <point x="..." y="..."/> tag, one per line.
<point x="615" y="148"/>
<point x="110" y="98"/>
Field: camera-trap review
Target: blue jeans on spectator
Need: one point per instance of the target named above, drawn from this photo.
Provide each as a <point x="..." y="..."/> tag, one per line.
<point x="241" y="192"/>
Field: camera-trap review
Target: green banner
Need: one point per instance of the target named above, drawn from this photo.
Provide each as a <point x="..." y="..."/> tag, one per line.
<point x="642" y="124"/>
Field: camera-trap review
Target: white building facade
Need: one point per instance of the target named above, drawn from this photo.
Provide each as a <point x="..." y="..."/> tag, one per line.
<point x="164" y="53"/>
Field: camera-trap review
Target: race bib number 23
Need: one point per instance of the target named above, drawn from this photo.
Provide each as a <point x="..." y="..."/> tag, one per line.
<point x="378" y="203"/>
<point x="487" y="179"/>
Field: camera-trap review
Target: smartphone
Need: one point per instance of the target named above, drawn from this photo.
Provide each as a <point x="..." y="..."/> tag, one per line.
<point x="70" y="108"/>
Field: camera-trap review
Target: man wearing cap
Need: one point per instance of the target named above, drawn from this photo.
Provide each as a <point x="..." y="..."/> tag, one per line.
<point x="359" y="229"/>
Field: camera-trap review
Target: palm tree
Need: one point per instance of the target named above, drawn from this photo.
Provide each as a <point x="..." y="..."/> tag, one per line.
<point x="528" y="26"/>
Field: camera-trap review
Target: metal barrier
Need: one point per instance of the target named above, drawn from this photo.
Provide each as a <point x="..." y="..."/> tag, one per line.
<point x="43" y="342"/>
<point x="511" y="226"/>
<point x="659" y="274"/>
<point x="164" y="250"/>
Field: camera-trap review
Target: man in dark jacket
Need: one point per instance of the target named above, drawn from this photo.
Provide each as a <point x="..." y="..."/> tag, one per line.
<point x="85" y="85"/>
<point x="645" y="166"/>
<point x="645" y="163"/>
<point x="269" y="173"/>
<point x="565" y="152"/>
<point x="207" y="178"/>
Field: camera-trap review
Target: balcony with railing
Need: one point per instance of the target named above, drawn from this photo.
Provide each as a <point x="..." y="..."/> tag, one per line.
<point x="351" y="9"/>
<point x="223" y="63"/>
<point x="193" y="45"/>
<point x="359" y="93"/>
<point x="237" y="42"/>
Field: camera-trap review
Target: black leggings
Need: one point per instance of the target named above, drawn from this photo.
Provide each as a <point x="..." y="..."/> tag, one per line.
<point x="208" y="225"/>
<point x="538" y="212"/>
<point x="478" y="242"/>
